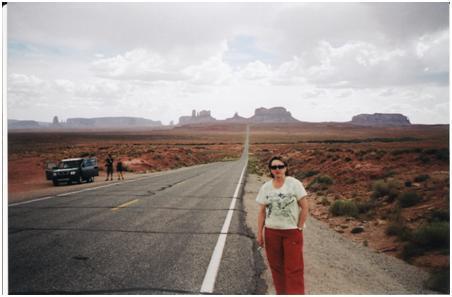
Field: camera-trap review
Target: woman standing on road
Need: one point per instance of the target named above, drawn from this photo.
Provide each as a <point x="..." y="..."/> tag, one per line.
<point x="283" y="210"/>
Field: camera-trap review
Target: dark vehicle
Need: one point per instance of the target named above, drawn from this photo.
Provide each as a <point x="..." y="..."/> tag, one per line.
<point x="73" y="170"/>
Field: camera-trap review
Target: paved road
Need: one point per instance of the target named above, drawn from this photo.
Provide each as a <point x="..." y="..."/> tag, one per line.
<point x="153" y="235"/>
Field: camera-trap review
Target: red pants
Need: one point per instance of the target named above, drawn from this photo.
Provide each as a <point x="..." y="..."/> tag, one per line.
<point x="284" y="250"/>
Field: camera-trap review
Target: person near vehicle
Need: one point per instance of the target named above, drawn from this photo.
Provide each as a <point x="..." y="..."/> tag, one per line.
<point x="119" y="169"/>
<point x="109" y="166"/>
<point x="283" y="210"/>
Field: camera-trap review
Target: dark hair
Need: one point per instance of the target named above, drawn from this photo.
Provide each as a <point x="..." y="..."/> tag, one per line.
<point x="279" y="158"/>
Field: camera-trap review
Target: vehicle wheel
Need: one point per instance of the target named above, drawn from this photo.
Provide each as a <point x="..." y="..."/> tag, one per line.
<point x="55" y="183"/>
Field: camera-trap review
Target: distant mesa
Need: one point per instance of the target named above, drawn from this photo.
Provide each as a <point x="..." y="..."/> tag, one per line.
<point x="111" y="122"/>
<point x="18" y="124"/>
<point x="272" y="115"/>
<point x="76" y="123"/>
<point x="381" y="119"/>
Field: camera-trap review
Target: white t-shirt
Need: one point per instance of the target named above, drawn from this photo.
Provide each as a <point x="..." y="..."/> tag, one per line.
<point x="282" y="210"/>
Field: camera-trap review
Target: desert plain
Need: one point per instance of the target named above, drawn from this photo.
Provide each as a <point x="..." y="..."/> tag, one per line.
<point x="384" y="187"/>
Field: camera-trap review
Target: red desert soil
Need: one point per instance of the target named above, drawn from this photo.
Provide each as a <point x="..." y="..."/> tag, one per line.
<point x="141" y="151"/>
<point x="355" y="159"/>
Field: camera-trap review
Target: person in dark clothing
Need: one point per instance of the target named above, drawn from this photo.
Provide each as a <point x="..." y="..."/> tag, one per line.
<point x="119" y="169"/>
<point x="109" y="166"/>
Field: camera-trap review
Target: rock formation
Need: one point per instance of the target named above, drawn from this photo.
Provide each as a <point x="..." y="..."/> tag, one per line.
<point x="197" y="118"/>
<point x="272" y="115"/>
<point x="380" y="119"/>
<point x="237" y="119"/>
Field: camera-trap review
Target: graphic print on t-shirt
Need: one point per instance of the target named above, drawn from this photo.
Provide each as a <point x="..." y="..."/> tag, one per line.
<point x="279" y="204"/>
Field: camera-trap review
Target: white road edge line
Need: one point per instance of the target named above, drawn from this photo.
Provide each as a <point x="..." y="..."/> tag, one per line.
<point x="75" y="192"/>
<point x="208" y="283"/>
<point x="95" y="188"/>
<point x="25" y="202"/>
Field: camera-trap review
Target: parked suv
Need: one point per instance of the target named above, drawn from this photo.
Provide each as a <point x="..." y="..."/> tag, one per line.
<point x="73" y="170"/>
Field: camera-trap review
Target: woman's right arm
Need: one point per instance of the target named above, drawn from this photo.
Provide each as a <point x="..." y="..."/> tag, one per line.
<point x="260" y="225"/>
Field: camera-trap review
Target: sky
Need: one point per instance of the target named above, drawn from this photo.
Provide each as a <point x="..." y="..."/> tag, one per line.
<point x="323" y="62"/>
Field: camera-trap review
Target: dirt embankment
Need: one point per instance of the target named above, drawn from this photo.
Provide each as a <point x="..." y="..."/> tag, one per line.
<point x="336" y="265"/>
<point x="390" y="196"/>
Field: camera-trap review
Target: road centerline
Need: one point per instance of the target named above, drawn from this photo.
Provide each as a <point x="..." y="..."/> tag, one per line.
<point x="125" y="205"/>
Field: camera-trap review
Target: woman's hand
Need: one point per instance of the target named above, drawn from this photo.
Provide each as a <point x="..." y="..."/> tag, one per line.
<point x="260" y="239"/>
<point x="260" y="225"/>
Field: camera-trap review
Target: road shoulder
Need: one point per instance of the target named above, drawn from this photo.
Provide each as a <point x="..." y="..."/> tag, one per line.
<point x="253" y="183"/>
<point x="336" y="265"/>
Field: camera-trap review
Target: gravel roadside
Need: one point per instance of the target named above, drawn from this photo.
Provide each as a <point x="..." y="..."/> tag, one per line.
<point x="336" y="265"/>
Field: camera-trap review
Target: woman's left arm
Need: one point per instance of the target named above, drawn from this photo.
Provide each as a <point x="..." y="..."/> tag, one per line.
<point x="304" y="205"/>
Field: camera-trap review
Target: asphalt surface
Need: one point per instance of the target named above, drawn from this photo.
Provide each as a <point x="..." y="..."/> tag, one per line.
<point x="151" y="235"/>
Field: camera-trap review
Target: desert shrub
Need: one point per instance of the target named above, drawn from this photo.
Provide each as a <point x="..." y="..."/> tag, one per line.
<point x="360" y="153"/>
<point x="324" y="179"/>
<point x="421" y="178"/>
<point x="394" y="215"/>
<point x="382" y="188"/>
<point x="431" y="236"/>
<point x="424" y="159"/>
<point x="350" y="180"/>
<point x="380" y="154"/>
<point x="409" y="199"/>
<point x="86" y="154"/>
<point x="344" y="208"/>
<point x="401" y="151"/>
<point x="299" y="175"/>
<point x="311" y="173"/>
<point x="254" y="167"/>
<point x="442" y="154"/>
<point x="430" y="151"/>
<point x="408" y="183"/>
<point x="434" y="235"/>
<point x="321" y="182"/>
<point x="347" y="159"/>
<point x="387" y="173"/>
<point x="325" y="201"/>
<point x="411" y="250"/>
<point x="399" y="230"/>
<point x="439" y="216"/>
<point x="302" y="175"/>
<point x="439" y="280"/>
<point x="365" y="207"/>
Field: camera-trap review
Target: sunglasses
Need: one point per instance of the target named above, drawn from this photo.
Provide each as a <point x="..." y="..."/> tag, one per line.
<point x="274" y="167"/>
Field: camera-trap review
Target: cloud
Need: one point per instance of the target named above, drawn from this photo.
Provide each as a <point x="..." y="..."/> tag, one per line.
<point x="255" y="71"/>
<point x="212" y="71"/>
<point x="136" y="58"/>
<point x="25" y="90"/>
<point x="138" y="64"/>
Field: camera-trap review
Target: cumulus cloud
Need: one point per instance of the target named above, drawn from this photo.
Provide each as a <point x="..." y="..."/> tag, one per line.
<point x="138" y="64"/>
<point x="25" y="90"/>
<point x="214" y="71"/>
